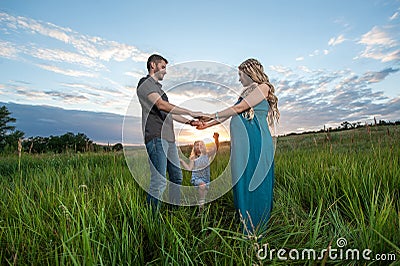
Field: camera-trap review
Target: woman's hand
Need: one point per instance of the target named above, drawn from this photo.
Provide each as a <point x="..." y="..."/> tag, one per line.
<point x="203" y="126"/>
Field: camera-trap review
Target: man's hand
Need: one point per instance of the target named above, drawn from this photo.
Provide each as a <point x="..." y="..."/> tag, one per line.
<point x="196" y="115"/>
<point x="206" y="117"/>
<point x="202" y="126"/>
<point x="196" y="123"/>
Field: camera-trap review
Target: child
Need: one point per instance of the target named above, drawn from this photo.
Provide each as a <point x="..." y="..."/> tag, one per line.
<point x="200" y="166"/>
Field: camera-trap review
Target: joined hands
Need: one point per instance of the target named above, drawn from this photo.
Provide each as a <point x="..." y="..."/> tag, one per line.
<point x="202" y="119"/>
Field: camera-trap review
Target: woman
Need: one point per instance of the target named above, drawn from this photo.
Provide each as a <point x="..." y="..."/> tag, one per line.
<point x="252" y="151"/>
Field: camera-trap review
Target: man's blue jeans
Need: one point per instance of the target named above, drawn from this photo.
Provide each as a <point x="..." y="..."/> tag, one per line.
<point x="163" y="158"/>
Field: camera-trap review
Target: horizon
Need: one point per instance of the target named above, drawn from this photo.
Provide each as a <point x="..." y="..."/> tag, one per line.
<point x="183" y="143"/>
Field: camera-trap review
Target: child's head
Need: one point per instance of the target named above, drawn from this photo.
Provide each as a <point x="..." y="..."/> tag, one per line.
<point x="199" y="147"/>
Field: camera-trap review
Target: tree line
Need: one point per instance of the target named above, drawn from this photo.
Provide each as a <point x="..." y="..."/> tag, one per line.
<point x="347" y="125"/>
<point x="11" y="140"/>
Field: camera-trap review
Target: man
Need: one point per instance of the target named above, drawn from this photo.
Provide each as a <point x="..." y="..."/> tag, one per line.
<point x="158" y="130"/>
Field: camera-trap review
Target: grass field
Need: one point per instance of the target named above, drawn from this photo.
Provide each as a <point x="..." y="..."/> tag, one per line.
<point x="87" y="209"/>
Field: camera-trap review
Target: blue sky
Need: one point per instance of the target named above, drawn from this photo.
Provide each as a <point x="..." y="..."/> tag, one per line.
<point x="330" y="61"/>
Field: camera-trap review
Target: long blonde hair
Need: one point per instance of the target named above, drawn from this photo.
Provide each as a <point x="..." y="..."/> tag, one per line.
<point x="253" y="68"/>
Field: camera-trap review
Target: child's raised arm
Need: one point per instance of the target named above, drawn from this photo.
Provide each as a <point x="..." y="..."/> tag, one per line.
<point x="186" y="166"/>
<point x="212" y="151"/>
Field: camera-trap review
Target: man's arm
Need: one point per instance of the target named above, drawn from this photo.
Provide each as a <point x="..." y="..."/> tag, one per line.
<point x="184" y="120"/>
<point x="165" y="106"/>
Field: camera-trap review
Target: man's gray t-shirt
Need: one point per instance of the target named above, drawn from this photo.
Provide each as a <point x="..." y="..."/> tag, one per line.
<point x="155" y="123"/>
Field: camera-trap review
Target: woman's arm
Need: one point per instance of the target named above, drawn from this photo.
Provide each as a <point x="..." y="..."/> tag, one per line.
<point x="255" y="97"/>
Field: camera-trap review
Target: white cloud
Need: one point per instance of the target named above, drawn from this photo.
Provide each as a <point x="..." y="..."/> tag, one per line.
<point x="301" y="58"/>
<point x="93" y="90"/>
<point x="377" y="36"/>
<point x="314" y="53"/>
<point x="381" y="56"/>
<point x="136" y="75"/>
<point x="91" y="46"/>
<point x="8" y="50"/>
<point x="394" y="16"/>
<point x="305" y="69"/>
<point x="67" y="72"/>
<point x="321" y="97"/>
<point x="335" y="41"/>
<point x="379" y="45"/>
<point x="281" y="69"/>
<point x="57" y="55"/>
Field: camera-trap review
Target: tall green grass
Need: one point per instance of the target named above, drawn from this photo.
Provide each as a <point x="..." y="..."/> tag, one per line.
<point x="87" y="209"/>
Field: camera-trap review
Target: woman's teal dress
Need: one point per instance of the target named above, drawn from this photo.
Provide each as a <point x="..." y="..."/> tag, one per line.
<point x="252" y="166"/>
